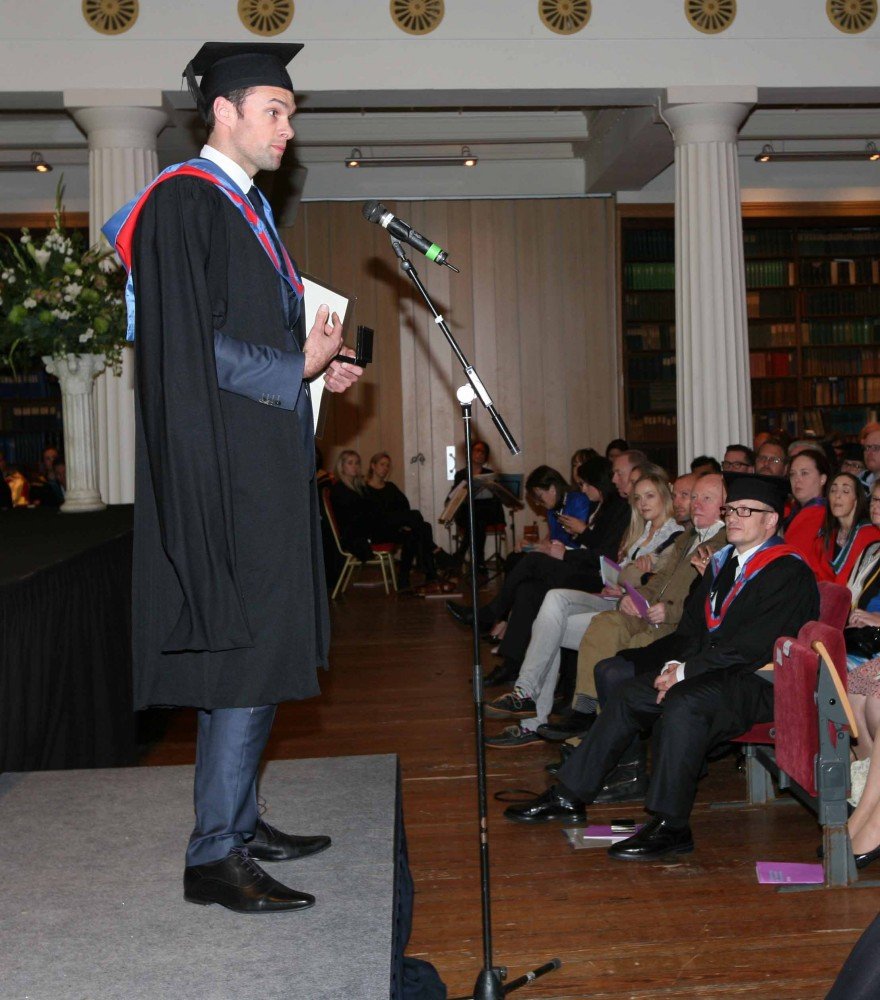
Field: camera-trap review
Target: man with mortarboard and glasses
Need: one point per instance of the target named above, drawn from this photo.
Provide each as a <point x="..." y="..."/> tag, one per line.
<point x="229" y="600"/>
<point x="705" y="689"/>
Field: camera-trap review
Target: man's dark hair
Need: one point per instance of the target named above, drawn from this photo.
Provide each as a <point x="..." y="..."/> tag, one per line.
<point x="618" y="444"/>
<point x="713" y="463"/>
<point x="543" y="478"/>
<point x="482" y="444"/>
<point x="745" y="449"/>
<point x="235" y="97"/>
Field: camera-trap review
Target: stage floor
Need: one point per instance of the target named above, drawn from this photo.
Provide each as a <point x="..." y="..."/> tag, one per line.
<point x="92" y="902"/>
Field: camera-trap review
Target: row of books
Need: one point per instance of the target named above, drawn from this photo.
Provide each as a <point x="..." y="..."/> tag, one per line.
<point x="32" y="417"/>
<point x="651" y="337"/>
<point x="654" y="307"/>
<point x="25" y="448"/>
<point x="772" y="334"/>
<point x="776" y="421"/>
<point x="843" y="361"/>
<point x="658" y="275"/>
<point x="768" y="363"/>
<point x="847" y="422"/>
<point x="768" y="242"/>
<point x="838" y="242"/>
<point x="649" y="244"/>
<point x="865" y="330"/>
<point x="862" y="300"/>
<point x="31" y="385"/>
<point x="769" y="302"/>
<point x="769" y="273"/>
<point x="839" y="272"/>
<point x="783" y="393"/>
<point x="651" y="367"/>
<point x="644" y="399"/>
<point x="659" y="427"/>
<point x="839" y="391"/>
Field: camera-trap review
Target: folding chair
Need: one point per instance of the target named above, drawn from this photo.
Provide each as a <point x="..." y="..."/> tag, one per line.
<point x="383" y="555"/>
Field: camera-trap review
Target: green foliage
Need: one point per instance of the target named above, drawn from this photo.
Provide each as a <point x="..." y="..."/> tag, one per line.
<point x="59" y="297"/>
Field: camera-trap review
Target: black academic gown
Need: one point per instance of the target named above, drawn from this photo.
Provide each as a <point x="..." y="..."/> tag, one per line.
<point x="229" y="598"/>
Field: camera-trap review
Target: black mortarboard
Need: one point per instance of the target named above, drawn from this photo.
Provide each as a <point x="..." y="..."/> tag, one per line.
<point x="771" y="490"/>
<point x="228" y="66"/>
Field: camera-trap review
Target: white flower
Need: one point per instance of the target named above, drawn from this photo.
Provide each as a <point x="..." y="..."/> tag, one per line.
<point x="42" y="257"/>
<point x="71" y="291"/>
<point x="30" y="303"/>
<point x="11" y="278"/>
<point x="61" y="314"/>
<point x="78" y="273"/>
<point x="84" y="338"/>
<point x="107" y="264"/>
<point x="25" y="238"/>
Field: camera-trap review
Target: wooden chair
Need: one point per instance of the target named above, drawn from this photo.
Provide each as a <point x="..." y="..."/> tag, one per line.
<point x="383" y="555"/>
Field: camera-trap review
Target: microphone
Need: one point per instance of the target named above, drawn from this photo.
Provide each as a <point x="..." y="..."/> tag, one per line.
<point x="375" y="211"/>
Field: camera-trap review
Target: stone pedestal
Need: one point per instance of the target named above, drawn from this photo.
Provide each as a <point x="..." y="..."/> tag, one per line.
<point x="711" y="330"/>
<point x="76" y="374"/>
<point x="122" y="160"/>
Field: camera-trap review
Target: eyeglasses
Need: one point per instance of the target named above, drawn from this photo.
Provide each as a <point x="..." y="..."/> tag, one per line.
<point x="744" y="511"/>
<point x="871" y="447"/>
<point x="874" y="500"/>
<point x="730" y="466"/>
<point x="769" y="460"/>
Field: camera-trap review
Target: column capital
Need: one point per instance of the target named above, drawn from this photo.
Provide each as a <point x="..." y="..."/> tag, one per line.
<point x="119" y="119"/>
<point x="707" y="114"/>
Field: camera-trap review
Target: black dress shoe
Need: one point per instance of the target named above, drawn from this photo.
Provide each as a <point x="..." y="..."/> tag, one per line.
<point x="502" y="674"/>
<point x="655" y="840"/>
<point x="863" y="860"/>
<point x="573" y="724"/>
<point x="269" y="844"/>
<point x="626" y="783"/>
<point x="239" y="883"/>
<point x="547" y="808"/>
<point x="462" y="613"/>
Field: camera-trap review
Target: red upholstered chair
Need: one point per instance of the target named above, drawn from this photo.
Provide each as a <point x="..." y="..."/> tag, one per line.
<point x="383" y="555"/>
<point x="835" y="602"/>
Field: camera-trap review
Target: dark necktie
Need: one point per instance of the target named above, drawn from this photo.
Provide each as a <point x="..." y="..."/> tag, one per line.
<point x="724" y="582"/>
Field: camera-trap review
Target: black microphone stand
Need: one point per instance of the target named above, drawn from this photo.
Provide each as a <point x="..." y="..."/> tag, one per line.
<point x="490" y="982"/>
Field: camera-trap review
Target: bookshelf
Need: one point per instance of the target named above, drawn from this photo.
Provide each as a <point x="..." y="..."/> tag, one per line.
<point x="813" y="307"/>
<point x="30" y="417"/>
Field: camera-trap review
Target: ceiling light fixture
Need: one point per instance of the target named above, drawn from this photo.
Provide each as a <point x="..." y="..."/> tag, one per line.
<point x="465" y="159"/>
<point x="36" y="162"/>
<point x="769" y="155"/>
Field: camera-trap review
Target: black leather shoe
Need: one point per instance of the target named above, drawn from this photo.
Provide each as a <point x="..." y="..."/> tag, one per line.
<point x="573" y="724"/>
<point x="239" y="883"/>
<point x="626" y="783"/>
<point x="863" y="860"/>
<point x="655" y="840"/>
<point x="269" y="844"/>
<point x="462" y="613"/>
<point x="502" y="674"/>
<point x="547" y="808"/>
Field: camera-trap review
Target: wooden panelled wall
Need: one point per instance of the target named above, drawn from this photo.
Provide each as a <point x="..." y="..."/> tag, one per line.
<point x="534" y="311"/>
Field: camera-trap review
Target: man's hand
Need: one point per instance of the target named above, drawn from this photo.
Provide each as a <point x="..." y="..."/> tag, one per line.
<point x="611" y="591"/>
<point x="628" y="607"/>
<point x="322" y="345"/>
<point x="340" y="375"/>
<point x="665" y="679"/>
<point x="700" y="558"/>
<point x="645" y="563"/>
<point x="657" y="613"/>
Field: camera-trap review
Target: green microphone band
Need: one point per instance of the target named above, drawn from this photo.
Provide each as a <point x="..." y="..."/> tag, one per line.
<point x="433" y="251"/>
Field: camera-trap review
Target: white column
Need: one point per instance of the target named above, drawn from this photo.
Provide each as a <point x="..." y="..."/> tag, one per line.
<point x="711" y="332"/>
<point x="122" y="127"/>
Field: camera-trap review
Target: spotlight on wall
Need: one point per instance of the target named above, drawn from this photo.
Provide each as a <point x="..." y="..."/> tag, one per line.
<point x="36" y="162"/>
<point x="465" y="159"/>
<point x="769" y="155"/>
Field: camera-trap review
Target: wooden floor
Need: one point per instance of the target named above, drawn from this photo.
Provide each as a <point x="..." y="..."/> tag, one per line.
<point x="700" y="926"/>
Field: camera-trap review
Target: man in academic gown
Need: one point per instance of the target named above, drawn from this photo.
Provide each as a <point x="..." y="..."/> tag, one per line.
<point x="230" y="611"/>
<point x="754" y="590"/>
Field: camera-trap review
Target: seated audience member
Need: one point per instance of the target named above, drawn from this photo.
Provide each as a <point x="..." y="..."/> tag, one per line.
<point x="808" y="477"/>
<point x="622" y="469"/>
<point x="547" y="489"/>
<point x="770" y="458"/>
<point x="652" y="530"/>
<point x="754" y="590"/>
<point x="487" y="508"/>
<point x="526" y="585"/>
<point x="19" y="488"/>
<point x="47" y="486"/>
<point x="845" y="531"/>
<point x="853" y="461"/>
<point x="705" y="463"/>
<point x="614" y="448"/>
<point x="564" y="616"/>
<point x="869" y="438"/>
<point x="864" y="823"/>
<point x="803" y="444"/>
<point x="361" y="522"/>
<point x="333" y="561"/>
<point x="395" y="508"/>
<point x="615" y="632"/>
<point x="577" y="460"/>
<point x="863" y="631"/>
<point x="738" y="458"/>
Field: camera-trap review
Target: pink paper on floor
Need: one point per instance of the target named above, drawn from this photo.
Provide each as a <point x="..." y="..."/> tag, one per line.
<point x="607" y="832"/>
<point x="791" y="872"/>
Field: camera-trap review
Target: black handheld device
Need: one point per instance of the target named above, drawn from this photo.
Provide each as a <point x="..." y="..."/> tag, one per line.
<point x="363" y="348"/>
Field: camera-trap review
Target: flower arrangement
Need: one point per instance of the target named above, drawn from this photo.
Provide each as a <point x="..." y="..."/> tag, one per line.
<point x="59" y="297"/>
